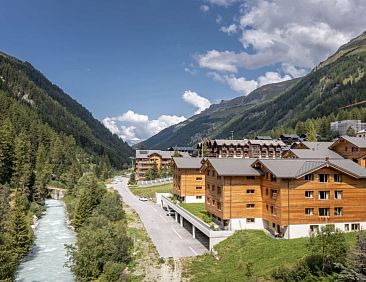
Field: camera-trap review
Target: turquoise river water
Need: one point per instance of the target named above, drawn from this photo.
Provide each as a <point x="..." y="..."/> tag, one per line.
<point x="46" y="261"/>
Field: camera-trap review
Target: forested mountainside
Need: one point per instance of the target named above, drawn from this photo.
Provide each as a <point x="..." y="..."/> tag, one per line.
<point x="42" y="142"/>
<point x="318" y="97"/>
<point x="32" y="89"/>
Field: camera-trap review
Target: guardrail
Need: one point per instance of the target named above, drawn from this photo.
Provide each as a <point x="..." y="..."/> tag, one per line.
<point x="147" y="183"/>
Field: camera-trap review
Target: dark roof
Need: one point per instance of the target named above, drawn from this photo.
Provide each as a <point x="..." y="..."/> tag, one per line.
<point x="193" y="163"/>
<point x="234" y="167"/>
<point x="296" y="168"/>
<point x="259" y="137"/>
<point x="292" y="136"/>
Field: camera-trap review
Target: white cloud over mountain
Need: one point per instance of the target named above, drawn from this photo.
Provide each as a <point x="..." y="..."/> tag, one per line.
<point x="296" y="35"/>
<point x="133" y="127"/>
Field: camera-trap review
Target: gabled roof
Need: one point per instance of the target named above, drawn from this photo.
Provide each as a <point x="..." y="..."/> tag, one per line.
<point x="142" y="154"/>
<point x="234" y="167"/>
<point x="180" y="149"/>
<point x="320" y="152"/>
<point x="296" y="168"/>
<point x="357" y="141"/>
<point x="186" y="163"/>
<point x="317" y="145"/>
<point x="293" y="136"/>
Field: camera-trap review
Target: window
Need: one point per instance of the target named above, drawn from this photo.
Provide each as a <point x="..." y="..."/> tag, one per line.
<point x="266" y="191"/>
<point x="250" y="220"/>
<point x="250" y="177"/>
<point x="346" y="227"/>
<point x="324" y="212"/>
<point x="309" y="194"/>
<point x="323" y="177"/>
<point x="314" y="228"/>
<point x="213" y="173"/>
<point x="354" y="149"/>
<point x="338" y="211"/>
<point x="250" y="191"/>
<point x="273" y="178"/>
<point x="273" y="193"/>
<point x="208" y="186"/>
<point x="198" y="178"/>
<point x="219" y="205"/>
<point x="345" y="148"/>
<point x="267" y="175"/>
<point x="267" y="207"/>
<point x="199" y="188"/>
<point x="337" y="177"/>
<point x="309" y="211"/>
<point x="250" y="206"/>
<point x="324" y="195"/>
<point x="309" y="177"/>
<point x="198" y="197"/>
<point x="218" y="190"/>
<point x="338" y="195"/>
<point x="355" y="226"/>
<point x="273" y="210"/>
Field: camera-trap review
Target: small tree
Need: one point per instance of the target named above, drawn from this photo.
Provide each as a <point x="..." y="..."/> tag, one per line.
<point x="132" y="180"/>
<point x="351" y="131"/>
<point x="311" y="131"/>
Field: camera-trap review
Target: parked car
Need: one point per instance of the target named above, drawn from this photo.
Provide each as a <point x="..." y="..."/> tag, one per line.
<point x="143" y="199"/>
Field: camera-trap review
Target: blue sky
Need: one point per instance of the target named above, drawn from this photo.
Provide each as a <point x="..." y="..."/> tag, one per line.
<point x="141" y="65"/>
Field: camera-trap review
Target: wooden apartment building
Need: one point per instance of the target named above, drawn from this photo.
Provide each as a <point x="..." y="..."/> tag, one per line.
<point x="147" y="159"/>
<point x="241" y="148"/>
<point x="188" y="180"/>
<point x="288" y="197"/>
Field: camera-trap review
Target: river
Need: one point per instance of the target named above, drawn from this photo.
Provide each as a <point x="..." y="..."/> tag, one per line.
<point x="46" y="261"/>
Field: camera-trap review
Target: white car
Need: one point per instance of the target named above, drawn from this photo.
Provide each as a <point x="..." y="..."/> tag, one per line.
<point x="143" y="199"/>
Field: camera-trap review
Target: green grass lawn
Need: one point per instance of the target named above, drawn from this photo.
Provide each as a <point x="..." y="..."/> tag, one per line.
<point x="262" y="252"/>
<point x="149" y="192"/>
<point x="197" y="209"/>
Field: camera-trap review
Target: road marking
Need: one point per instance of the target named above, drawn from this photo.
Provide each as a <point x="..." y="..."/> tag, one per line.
<point x="163" y="218"/>
<point x="176" y="233"/>
<point x="193" y="251"/>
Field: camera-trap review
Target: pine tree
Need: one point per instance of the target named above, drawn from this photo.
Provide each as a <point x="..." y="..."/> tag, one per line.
<point x="7" y="135"/>
<point x="18" y="235"/>
<point x="310" y="131"/>
<point x="22" y="162"/>
<point x="43" y="170"/>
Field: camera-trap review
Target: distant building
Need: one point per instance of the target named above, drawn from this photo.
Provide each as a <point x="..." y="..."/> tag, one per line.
<point x="220" y="148"/>
<point x="290" y="138"/>
<point x="188" y="150"/>
<point x="361" y="133"/>
<point x="263" y="137"/>
<point x="147" y="159"/>
<point x="342" y="126"/>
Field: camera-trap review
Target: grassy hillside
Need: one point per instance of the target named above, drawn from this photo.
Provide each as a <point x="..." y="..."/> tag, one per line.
<point x="337" y="82"/>
<point x="249" y="256"/>
<point x="32" y="89"/>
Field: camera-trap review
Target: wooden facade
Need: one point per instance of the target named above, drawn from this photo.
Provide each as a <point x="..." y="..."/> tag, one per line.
<point x="188" y="183"/>
<point x="241" y="148"/>
<point x="353" y="148"/>
<point x="327" y="195"/>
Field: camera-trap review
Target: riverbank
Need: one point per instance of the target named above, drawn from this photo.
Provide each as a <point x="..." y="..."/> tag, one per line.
<point x="48" y="255"/>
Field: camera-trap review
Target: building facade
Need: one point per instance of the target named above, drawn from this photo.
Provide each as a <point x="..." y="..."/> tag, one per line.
<point x="288" y="197"/>
<point x="342" y="126"/>
<point x="241" y="148"/>
<point x="188" y="180"/>
<point x="147" y="159"/>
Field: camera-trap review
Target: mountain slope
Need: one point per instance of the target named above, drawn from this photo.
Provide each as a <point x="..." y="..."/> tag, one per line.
<point x="210" y="122"/>
<point x="30" y="87"/>
<point x="338" y="81"/>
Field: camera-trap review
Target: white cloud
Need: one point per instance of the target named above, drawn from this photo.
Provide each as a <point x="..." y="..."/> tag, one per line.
<point x="287" y="32"/>
<point x="204" y="8"/>
<point x="293" y="70"/>
<point x="133" y="127"/>
<point x="240" y="84"/>
<point x="229" y="29"/>
<point x="201" y="103"/>
<point x="244" y="86"/>
<point x="271" y="77"/>
<point x="224" y="3"/>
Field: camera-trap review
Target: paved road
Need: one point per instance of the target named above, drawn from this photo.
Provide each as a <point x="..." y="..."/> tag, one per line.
<point x="170" y="239"/>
